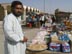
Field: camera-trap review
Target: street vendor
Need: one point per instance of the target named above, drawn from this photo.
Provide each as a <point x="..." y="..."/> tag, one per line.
<point x="15" y="39"/>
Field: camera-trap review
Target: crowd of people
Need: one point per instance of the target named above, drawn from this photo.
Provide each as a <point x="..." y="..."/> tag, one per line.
<point x="39" y="20"/>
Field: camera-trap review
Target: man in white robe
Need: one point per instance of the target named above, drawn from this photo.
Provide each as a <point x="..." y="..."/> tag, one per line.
<point x="15" y="41"/>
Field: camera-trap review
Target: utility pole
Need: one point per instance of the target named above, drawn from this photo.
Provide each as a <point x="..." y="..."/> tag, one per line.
<point x="44" y="5"/>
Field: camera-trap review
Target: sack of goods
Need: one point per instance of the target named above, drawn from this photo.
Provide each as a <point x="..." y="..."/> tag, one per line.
<point x="65" y="47"/>
<point x="54" y="47"/>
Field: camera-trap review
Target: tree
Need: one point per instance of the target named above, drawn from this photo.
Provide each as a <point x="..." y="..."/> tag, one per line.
<point x="1" y="13"/>
<point x="8" y="9"/>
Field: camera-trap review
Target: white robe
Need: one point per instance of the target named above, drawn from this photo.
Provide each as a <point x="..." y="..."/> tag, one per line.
<point x="13" y="35"/>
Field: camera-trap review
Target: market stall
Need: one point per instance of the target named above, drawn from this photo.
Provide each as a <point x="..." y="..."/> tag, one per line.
<point x="46" y="41"/>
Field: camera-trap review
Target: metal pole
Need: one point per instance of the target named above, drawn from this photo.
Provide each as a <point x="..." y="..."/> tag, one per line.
<point x="44" y="5"/>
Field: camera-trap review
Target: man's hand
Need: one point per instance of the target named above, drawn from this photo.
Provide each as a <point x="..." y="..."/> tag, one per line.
<point x="24" y="39"/>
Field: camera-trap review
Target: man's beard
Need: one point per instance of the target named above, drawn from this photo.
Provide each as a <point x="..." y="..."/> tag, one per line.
<point x="17" y="14"/>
